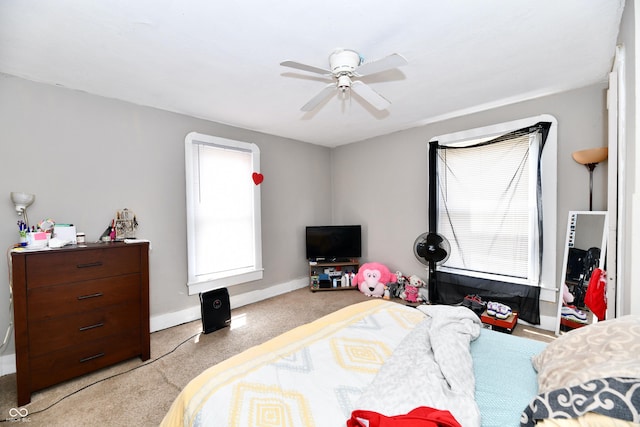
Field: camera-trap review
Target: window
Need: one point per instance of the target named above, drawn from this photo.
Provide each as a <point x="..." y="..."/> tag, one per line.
<point x="223" y="212"/>
<point x="488" y="204"/>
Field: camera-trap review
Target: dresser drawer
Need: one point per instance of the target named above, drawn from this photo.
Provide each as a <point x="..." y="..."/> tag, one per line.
<point x="58" y="366"/>
<point x="61" y="332"/>
<point x="64" y="300"/>
<point x="77" y="309"/>
<point x="51" y="268"/>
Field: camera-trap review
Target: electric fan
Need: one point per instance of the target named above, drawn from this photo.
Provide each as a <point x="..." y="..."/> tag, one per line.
<point x="432" y="249"/>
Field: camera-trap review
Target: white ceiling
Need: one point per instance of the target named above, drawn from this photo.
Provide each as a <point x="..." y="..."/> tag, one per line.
<point x="219" y="60"/>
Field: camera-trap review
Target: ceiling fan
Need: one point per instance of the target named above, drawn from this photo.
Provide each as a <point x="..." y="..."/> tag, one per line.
<point x="345" y="64"/>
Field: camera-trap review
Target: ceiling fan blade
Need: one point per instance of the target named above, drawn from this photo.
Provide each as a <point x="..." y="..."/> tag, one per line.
<point x="325" y="93"/>
<point x="305" y="67"/>
<point x="370" y="95"/>
<point x="392" y="61"/>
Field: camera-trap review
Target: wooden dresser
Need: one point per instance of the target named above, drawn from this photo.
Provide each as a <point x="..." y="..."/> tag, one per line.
<point x="78" y="309"/>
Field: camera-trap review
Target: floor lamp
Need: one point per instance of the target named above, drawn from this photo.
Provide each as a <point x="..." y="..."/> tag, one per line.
<point x="590" y="158"/>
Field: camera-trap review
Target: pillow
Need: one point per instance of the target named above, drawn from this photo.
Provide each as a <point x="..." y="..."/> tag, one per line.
<point x="605" y="349"/>
<point x="590" y="419"/>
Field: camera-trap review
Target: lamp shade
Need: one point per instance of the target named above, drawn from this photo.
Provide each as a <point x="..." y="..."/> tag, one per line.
<point x="591" y="155"/>
<point x="22" y="200"/>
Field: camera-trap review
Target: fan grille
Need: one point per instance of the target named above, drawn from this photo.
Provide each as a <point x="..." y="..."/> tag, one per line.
<point x="431" y="247"/>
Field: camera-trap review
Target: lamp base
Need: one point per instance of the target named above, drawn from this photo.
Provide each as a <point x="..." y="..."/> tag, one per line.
<point x="591" y="167"/>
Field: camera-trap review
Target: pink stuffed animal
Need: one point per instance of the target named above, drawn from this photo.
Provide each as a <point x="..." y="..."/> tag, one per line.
<point x="372" y="278"/>
<point x="412" y="290"/>
<point x="410" y="293"/>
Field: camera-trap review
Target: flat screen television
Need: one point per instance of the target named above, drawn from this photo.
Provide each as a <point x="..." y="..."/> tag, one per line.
<point x="334" y="242"/>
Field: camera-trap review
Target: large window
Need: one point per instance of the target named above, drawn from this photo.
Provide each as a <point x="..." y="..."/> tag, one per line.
<point x="223" y="212"/>
<point x="497" y="202"/>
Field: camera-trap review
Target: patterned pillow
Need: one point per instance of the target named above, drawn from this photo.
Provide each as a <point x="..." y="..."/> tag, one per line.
<point x="590" y="419"/>
<point x="610" y="348"/>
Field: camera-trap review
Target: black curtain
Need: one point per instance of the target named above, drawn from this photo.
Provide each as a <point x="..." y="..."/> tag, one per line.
<point x="523" y="299"/>
<point x="452" y="288"/>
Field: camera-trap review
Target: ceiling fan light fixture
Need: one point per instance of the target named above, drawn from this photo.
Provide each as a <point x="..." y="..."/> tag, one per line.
<point x="345" y="64"/>
<point x="344" y="83"/>
<point x="344" y="61"/>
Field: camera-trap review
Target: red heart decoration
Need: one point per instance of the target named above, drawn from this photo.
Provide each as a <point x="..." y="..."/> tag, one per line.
<point x="257" y="178"/>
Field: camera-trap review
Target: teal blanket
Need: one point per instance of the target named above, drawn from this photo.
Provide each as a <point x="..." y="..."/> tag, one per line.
<point x="505" y="379"/>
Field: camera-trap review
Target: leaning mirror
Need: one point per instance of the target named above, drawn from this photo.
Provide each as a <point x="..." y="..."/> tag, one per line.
<point x="585" y="250"/>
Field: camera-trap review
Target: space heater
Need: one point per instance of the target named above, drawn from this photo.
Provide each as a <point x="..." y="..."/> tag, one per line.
<point x="216" y="310"/>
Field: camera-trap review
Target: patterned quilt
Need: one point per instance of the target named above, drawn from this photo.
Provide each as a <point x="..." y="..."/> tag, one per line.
<point x="590" y="370"/>
<point x="309" y="376"/>
<point x="617" y="398"/>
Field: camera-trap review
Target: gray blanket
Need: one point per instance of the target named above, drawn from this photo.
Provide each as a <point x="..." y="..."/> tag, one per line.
<point x="431" y="367"/>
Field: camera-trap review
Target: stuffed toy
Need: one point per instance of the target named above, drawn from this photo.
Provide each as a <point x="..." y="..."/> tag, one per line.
<point x="397" y="287"/>
<point x="411" y="290"/>
<point x="423" y="292"/>
<point x="410" y="293"/>
<point x="372" y="278"/>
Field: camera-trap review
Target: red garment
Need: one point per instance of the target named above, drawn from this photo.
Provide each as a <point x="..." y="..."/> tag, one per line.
<point x="419" y="417"/>
<point x="596" y="296"/>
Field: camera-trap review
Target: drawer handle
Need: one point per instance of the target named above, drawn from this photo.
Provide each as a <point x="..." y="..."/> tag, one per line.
<point x="90" y="264"/>
<point x="95" y="356"/>
<point x="97" y="294"/>
<point x="86" y="328"/>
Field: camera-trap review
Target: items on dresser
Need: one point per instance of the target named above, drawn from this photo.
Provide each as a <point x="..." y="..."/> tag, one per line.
<point x="78" y="309"/>
<point x="123" y="226"/>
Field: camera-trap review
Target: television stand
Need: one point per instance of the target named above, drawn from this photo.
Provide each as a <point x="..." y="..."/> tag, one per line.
<point x="331" y="260"/>
<point x="327" y="275"/>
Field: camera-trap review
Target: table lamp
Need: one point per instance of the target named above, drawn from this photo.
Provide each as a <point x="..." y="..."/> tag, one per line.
<point x="22" y="201"/>
<point x="590" y="158"/>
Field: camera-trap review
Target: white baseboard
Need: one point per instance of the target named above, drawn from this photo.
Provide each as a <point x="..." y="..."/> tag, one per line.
<point x="168" y="320"/>
<point x="7" y="364"/>
<point x="548" y="323"/>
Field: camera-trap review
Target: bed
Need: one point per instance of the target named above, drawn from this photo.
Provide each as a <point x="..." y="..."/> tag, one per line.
<point x="380" y="357"/>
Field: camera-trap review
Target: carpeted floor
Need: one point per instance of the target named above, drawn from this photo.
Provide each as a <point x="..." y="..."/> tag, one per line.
<point x="136" y="393"/>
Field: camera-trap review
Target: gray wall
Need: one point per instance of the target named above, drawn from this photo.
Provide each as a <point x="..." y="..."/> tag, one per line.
<point x="85" y="156"/>
<point x="382" y="182"/>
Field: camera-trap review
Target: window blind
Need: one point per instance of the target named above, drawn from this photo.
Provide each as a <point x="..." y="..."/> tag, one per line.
<point x="223" y="210"/>
<point x="484" y="205"/>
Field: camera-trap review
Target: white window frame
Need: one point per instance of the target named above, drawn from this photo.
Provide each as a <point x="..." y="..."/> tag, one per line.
<point x="215" y="281"/>
<point x="549" y="162"/>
